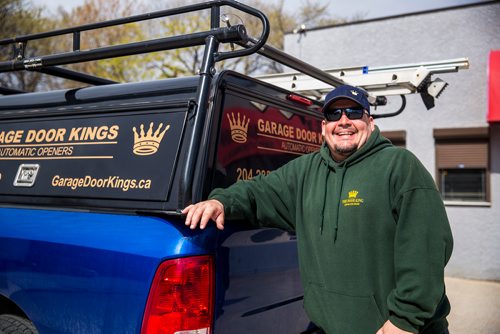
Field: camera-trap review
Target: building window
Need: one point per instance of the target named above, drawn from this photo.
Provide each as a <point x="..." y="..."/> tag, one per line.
<point x="462" y="165"/>
<point x="398" y="138"/>
<point x="463" y="184"/>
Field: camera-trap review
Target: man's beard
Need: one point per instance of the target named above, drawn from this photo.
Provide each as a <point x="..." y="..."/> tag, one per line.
<point x="345" y="150"/>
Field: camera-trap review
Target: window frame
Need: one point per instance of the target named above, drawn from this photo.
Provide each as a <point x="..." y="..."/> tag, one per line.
<point x="476" y="141"/>
<point x="397" y="138"/>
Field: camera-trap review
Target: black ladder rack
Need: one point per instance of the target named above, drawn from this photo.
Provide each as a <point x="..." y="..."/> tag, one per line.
<point x="236" y="34"/>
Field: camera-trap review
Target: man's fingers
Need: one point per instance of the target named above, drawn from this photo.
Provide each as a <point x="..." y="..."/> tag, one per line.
<point x="191" y="218"/>
<point x="205" y="217"/>
<point x="188" y="211"/>
<point x="201" y="213"/>
<point x="219" y="221"/>
<point x="197" y="212"/>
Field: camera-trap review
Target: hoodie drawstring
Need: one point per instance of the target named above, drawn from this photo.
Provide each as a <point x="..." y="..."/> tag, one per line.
<point x="324" y="203"/>
<point x="340" y="187"/>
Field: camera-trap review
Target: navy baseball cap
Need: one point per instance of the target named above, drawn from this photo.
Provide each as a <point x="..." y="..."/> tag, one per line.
<point x="349" y="92"/>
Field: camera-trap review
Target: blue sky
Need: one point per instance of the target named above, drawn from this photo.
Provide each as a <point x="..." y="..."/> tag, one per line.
<point x="342" y="8"/>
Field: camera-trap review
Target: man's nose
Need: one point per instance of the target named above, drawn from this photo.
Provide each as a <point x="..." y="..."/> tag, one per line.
<point x="344" y="119"/>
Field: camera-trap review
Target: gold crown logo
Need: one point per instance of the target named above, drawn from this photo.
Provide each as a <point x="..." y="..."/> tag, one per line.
<point x="148" y="143"/>
<point x="239" y="128"/>
<point x="353" y="193"/>
<point x="353" y="92"/>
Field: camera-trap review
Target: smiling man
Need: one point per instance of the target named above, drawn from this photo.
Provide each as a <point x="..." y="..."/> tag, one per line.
<point x="372" y="231"/>
<point x="345" y="127"/>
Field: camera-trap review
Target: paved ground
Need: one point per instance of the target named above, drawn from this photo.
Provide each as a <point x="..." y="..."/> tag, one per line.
<point x="475" y="306"/>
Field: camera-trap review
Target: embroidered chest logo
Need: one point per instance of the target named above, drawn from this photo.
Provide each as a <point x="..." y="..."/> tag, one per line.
<point x="353" y="199"/>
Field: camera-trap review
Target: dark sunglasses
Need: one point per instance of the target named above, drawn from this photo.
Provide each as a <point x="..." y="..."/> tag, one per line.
<point x="333" y="115"/>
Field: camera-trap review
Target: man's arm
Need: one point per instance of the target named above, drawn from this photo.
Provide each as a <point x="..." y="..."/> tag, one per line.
<point x="265" y="200"/>
<point x="422" y="246"/>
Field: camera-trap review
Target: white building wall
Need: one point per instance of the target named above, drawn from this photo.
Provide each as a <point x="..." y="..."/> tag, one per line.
<point x="467" y="31"/>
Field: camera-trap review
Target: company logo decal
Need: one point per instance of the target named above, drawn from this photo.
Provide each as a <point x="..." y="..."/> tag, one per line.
<point x="26" y="175"/>
<point x="57" y="143"/>
<point x="148" y="143"/>
<point x="239" y="128"/>
<point x="352" y="199"/>
<point x="353" y="92"/>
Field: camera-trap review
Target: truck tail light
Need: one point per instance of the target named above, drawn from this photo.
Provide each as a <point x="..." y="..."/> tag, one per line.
<point x="181" y="297"/>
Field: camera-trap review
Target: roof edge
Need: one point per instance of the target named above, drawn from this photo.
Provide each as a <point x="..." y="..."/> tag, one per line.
<point x="384" y="18"/>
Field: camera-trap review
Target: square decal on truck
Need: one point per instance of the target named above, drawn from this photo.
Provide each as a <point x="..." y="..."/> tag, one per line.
<point x="26" y="175"/>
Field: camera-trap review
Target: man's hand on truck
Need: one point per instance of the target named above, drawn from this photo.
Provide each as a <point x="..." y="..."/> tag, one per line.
<point x="200" y="213"/>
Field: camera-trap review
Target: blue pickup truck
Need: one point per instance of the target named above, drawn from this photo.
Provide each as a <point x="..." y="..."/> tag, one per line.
<point x="92" y="181"/>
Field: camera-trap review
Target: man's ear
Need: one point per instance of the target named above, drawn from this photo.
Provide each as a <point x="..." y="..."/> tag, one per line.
<point x="371" y="123"/>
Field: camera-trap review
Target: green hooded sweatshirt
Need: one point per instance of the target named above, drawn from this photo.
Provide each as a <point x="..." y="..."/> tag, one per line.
<point x="372" y="231"/>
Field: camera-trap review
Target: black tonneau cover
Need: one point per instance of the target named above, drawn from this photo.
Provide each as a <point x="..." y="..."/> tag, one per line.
<point x="117" y="143"/>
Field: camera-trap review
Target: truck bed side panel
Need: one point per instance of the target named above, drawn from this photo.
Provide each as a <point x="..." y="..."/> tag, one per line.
<point x="90" y="271"/>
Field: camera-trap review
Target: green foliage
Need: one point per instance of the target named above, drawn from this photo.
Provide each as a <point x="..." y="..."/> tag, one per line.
<point x="121" y="69"/>
<point x="19" y="17"/>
